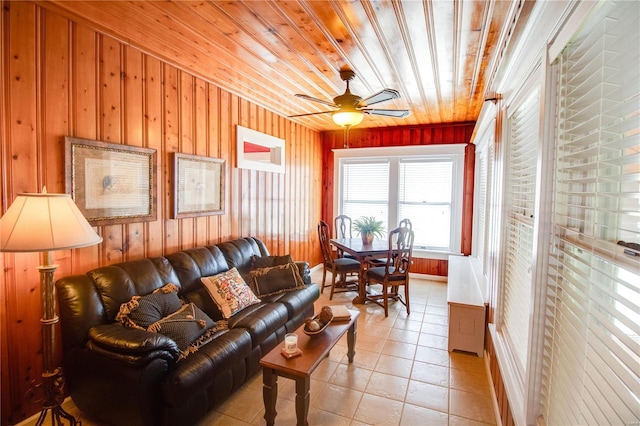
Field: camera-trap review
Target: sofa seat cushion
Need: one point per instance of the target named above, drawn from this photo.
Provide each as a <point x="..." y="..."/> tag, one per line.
<point x="260" y="320"/>
<point x="202" y="367"/>
<point x="296" y="301"/>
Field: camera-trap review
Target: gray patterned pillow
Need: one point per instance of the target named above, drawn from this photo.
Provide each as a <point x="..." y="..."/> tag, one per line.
<point x="183" y="326"/>
<point x="142" y="311"/>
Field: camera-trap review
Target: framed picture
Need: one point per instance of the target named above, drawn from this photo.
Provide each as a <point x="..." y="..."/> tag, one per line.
<point x="198" y="185"/>
<point x="259" y="151"/>
<point x="111" y="183"/>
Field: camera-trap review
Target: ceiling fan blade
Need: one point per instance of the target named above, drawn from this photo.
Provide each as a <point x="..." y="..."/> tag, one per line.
<point x="309" y="113"/>
<point x="397" y="113"/>
<point x="381" y="96"/>
<point x="312" y="99"/>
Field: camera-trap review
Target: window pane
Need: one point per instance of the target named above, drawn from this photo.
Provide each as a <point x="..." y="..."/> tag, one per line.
<point x="424" y="197"/>
<point x="431" y="224"/>
<point x="365" y="190"/>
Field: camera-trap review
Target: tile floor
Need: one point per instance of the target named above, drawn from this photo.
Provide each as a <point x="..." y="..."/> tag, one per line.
<point x="402" y="373"/>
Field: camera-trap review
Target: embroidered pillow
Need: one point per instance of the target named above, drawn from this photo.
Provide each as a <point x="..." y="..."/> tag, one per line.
<point x="230" y="292"/>
<point x="276" y="279"/>
<point x="142" y="311"/>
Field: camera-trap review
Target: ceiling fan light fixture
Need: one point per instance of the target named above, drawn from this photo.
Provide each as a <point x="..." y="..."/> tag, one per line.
<point x="348" y="118"/>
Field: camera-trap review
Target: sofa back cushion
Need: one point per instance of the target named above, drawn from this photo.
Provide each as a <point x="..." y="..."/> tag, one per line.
<point x="240" y="252"/>
<point x="191" y="265"/>
<point x="117" y="284"/>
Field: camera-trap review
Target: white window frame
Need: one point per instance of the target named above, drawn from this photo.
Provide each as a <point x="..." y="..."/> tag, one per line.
<point x="455" y="151"/>
<point x="522" y="387"/>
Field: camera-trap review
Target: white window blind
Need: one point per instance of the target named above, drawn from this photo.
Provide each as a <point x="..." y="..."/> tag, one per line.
<point x="487" y="207"/>
<point x="365" y="190"/>
<point x="482" y="203"/>
<point x="425" y="197"/>
<point x="521" y="191"/>
<point x="592" y="346"/>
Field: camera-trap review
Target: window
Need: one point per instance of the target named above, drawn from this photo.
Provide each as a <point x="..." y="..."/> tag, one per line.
<point x="423" y="184"/>
<point x="365" y="189"/>
<point x="592" y="343"/>
<point x="425" y="195"/>
<point x="520" y="184"/>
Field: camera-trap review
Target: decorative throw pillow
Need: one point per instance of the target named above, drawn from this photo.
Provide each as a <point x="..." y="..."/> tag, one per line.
<point x="230" y="292"/>
<point x="269" y="261"/>
<point x="276" y="279"/>
<point x="142" y="311"/>
<point x="183" y="326"/>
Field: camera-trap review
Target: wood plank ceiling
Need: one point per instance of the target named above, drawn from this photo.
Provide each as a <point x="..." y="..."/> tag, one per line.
<point x="438" y="54"/>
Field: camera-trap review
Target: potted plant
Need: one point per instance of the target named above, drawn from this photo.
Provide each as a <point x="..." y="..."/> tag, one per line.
<point x="368" y="227"/>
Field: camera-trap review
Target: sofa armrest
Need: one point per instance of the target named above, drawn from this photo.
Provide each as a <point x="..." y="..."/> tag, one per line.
<point x="131" y="345"/>
<point x="305" y="272"/>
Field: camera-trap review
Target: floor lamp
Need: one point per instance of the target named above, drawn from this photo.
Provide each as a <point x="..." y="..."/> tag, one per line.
<point x="46" y="222"/>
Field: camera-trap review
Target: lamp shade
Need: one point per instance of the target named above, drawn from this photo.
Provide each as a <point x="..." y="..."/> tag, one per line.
<point x="43" y="222"/>
<point x="348" y="118"/>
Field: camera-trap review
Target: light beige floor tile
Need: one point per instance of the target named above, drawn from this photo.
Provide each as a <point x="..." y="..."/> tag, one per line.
<point x="430" y="373"/>
<point x="369" y="343"/>
<point x="469" y="381"/>
<point x="437" y="329"/>
<point x="339" y="400"/>
<point x="377" y="410"/>
<point x="405" y="336"/>
<point x="387" y="386"/>
<point x="242" y="405"/>
<point x="324" y="418"/>
<point x="325" y="370"/>
<point x="363" y="358"/>
<point x="216" y="419"/>
<point x="405" y="323"/>
<point x="432" y="356"/>
<point x="466" y="361"/>
<point x="435" y="319"/>
<point x="394" y="366"/>
<point x="428" y="396"/>
<point x="437" y="310"/>
<point x="359" y="423"/>
<point x="350" y="376"/>
<point x="433" y="341"/>
<point x="471" y="406"/>
<point x="413" y="415"/>
<point x="399" y="349"/>
<point x="461" y="421"/>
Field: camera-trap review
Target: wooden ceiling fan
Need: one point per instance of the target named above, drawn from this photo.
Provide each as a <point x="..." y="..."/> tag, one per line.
<point x="349" y="108"/>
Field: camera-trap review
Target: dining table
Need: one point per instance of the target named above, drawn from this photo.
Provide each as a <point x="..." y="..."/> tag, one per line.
<point x="361" y="252"/>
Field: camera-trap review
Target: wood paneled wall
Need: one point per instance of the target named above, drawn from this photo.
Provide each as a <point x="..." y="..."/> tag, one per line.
<point x="61" y="78"/>
<point x="453" y="133"/>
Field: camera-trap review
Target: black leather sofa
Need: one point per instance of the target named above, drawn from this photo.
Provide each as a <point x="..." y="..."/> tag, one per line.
<point x="120" y="375"/>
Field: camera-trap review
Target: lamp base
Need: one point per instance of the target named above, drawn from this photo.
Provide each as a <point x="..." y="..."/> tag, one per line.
<point x="52" y="386"/>
<point x="57" y="414"/>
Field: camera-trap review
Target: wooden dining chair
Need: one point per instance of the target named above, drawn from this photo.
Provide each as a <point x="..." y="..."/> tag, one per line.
<point x="342" y="229"/>
<point x="395" y="272"/>
<point x="339" y="266"/>
<point x="343" y="226"/>
<point x="405" y="223"/>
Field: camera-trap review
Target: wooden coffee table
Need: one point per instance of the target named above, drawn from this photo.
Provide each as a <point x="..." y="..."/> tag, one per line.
<point x="314" y="350"/>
